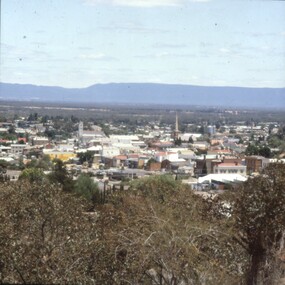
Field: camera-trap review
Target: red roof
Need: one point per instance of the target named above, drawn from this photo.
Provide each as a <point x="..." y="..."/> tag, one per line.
<point x="121" y="157"/>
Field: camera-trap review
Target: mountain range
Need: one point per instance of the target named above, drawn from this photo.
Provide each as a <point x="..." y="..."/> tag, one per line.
<point x="149" y="93"/>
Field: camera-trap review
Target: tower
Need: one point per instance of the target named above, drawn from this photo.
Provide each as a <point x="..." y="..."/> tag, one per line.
<point x="176" y="130"/>
<point x="80" y="130"/>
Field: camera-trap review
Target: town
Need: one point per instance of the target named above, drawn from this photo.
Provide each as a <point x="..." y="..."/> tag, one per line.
<point x="207" y="155"/>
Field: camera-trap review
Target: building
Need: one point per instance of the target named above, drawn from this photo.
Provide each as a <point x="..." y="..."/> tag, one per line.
<point x="229" y="168"/>
<point x="17" y="148"/>
<point x="255" y="163"/>
<point x="211" y="130"/>
<point x="40" y="141"/>
<point x="86" y="136"/>
<point x="176" y="131"/>
<point x="62" y="155"/>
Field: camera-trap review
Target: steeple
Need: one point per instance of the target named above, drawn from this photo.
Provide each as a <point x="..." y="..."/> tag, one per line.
<point x="80" y="130"/>
<point x="176" y="124"/>
<point x="176" y="131"/>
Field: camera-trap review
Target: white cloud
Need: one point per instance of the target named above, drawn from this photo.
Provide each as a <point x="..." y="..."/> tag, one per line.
<point x="224" y="50"/>
<point x="95" y="56"/>
<point x="164" y="55"/>
<point x="170" y="45"/>
<point x="132" y="27"/>
<point x="143" y="3"/>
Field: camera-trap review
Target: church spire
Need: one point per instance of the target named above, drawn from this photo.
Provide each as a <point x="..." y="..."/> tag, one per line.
<point x="176" y="130"/>
<point x="176" y="124"/>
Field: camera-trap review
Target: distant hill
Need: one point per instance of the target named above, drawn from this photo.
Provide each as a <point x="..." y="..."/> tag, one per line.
<point x="149" y="93"/>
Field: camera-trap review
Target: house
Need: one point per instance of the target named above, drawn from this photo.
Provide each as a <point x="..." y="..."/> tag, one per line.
<point x="62" y="155"/>
<point x="220" y="181"/>
<point x="17" y="148"/>
<point x="85" y="136"/>
<point x="163" y="155"/>
<point x="40" y="141"/>
<point x="119" y="160"/>
<point x="255" y="163"/>
<point x="13" y="175"/>
<point x="203" y="145"/>
<point x="230" y="168"/>
<point x="153" y="166"/>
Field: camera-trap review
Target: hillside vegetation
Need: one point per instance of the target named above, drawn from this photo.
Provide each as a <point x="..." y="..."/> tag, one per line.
<point x="157" y="232"/>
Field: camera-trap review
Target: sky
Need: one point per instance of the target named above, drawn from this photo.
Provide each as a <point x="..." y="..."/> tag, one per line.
<point x="78" y="43"/>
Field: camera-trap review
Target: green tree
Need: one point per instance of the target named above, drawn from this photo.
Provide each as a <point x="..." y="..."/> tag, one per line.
<point x="191" y="140"/>
<point x="265" y="151"/>
<point x="252" y="150"/>
<point x="178" y="142"/>
<point x="86" y="157"/>
<point x="32" y="175"/>
<point x="149" y="162"/>
<point x="43" y="163"/>
<point x="3" y="169"/>
<point x="11" y="130"/>
<point x="60" y="175"/>
<point x="158" y="187"/>
<point x="87" y="188"/>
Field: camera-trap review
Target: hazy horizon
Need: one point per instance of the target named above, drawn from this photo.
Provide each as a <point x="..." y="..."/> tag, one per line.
<point x="155" y="83"/>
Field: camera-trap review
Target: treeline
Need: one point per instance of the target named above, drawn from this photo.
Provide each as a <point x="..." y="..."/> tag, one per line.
<point x="157" y="232"/>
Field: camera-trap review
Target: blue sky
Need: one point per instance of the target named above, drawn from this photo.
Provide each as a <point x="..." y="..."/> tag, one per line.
<point x="77" y="43"/>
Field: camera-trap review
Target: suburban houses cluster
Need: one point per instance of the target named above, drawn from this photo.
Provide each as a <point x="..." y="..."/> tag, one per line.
<point x="208" y="160"/>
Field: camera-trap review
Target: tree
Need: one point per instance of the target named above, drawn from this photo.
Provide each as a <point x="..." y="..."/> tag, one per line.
<point x="33" y="117"/>
<point x="158" y="233"/>
<point x="157" y="187"/>
<point x="149" y="162"/>
<point x="251" y="150"/>
<point x="11" y="130"/>
<point x="178" y="141"/>
<point x="86" y="157"/>
<point x="45" y="235"/>
<point x="259" y="218"/>
<point x="61" y="176"/>
<point x="87" y="188"/>
<point x="265" y="151"/>
<point x="43" y="163"/>
<point x="3" y="169"/>
<point x="32" y="175"/>
<point x="191" y="140"/>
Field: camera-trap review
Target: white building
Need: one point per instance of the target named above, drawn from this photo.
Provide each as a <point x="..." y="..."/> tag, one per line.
<point x="17" y="148"/>
<point x="229" y="168"/>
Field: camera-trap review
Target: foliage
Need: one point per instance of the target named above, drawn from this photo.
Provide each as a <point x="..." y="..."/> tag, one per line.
<point x="178" y="141"/>
<point x="33" y="117"/>
<point x="253" y="149"/>
<point x="32" y="175"/>
<point x="3" y="166"/>
<point x="86" y="157"/>
<point x="190" y="140"/>
<point x="87" y="188"/>
<point x="42" y="163"/>
<point x="157" y="187"/>
<point x="61" y="176"/>
<point x="3" y="169"/>
<point x="45" y="236"/>
<point x="259" y="217"/>
<point x="145" y="241"/>
<point x="157" y="232"/>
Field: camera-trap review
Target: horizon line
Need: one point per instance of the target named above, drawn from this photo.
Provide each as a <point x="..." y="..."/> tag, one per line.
<point x="149" y="83"/>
